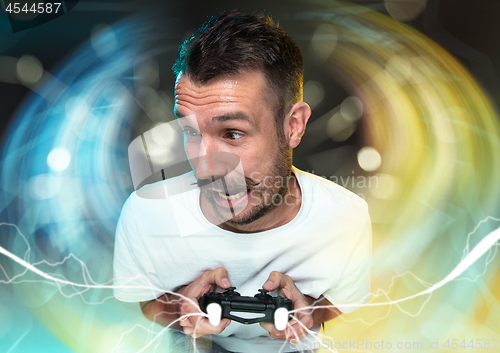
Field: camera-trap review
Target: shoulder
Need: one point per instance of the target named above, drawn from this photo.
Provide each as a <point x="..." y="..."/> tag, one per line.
<point x="152" y="208"/>
<point x="150" y="195"/>
<point x="324" y="192"/>
<point x="163" y="188"/>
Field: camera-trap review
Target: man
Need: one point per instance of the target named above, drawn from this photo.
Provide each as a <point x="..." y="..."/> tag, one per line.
<point x="253" y="221"/>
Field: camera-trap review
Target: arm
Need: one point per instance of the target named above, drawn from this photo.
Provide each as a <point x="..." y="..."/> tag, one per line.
<point x="163" y="310"/>
<point x="324" y="311"/>
<point x="181" y="309"/>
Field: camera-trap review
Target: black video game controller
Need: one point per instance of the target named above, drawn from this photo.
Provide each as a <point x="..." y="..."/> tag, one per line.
<point x="222" y="305"/>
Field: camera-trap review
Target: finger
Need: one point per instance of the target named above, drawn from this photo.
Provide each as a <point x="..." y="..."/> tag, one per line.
<point x="196" y="331"/>
<point x="222" y="326"/>
<point x="184" y="322"/>
<point x="296" y="331"/>
<point x="188" y="331"/>
<point x="268" y="326"/>
<point x="285" y="335"/>
<point x="218" y="277"/>
<point x="205" y="283"/>
<point x="299" y="328"/>
<point x="190" y="319"/>
<point x="291" y="322"/>
<point x="294" y="336"/>
<point x="194" y="328"/>
<point x="275" y="281"/>
<point x="285" y="285"/>
<point x="306" y="321"/>
<point x="303" y="313"/>
<point x="190" y="313"/>
<point x="194" y="291"/>
<point x="273" y="332"/>
<point x="196" y="318"/>
<point x="203" y="327"/>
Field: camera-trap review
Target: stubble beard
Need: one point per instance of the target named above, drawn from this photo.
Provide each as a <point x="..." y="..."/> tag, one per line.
<point x="280" y="173"/>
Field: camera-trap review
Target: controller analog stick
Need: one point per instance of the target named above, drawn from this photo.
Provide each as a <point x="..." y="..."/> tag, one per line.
<point x="214" y="312"/>
<point x="280" y="318"/>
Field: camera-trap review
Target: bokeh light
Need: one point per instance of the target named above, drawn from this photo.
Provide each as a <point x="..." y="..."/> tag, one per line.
<point x="29" y="69"/>
<point x="405" y="10"/>
<point x="43" y="186"/>
<point x="369" y="159"/>
<point x="438" y="138"/>
<point x="58" y="159"/>
<point x="416" y="137"/>
<point x="324" y="40"/>
<point x="313" y="93"/>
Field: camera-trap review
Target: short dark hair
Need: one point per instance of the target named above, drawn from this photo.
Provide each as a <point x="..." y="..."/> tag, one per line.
<point x="232" y="41"/>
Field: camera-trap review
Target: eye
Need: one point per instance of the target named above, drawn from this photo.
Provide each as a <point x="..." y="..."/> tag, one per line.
<point x="233" y="135"/>
<point x="191" y="133"/>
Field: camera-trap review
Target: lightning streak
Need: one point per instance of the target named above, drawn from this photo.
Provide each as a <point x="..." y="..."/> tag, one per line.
<point x="479" y="250"/>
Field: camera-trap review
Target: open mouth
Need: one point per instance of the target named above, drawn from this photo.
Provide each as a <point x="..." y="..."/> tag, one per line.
<point x="231" y="200"/>
<point x="232" y="197"/>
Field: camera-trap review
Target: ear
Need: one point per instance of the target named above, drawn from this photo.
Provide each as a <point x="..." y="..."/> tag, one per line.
<point x="295" y="123"/>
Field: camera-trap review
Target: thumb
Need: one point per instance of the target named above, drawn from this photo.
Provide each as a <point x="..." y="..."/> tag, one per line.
<point x="220" y="278"/>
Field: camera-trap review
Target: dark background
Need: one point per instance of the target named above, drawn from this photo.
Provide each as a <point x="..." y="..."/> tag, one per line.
<point x="468" y="29"/>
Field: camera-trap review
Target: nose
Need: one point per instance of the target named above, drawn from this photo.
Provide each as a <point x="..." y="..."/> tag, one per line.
<point x="202" y="164"/>
<point x="212" y="162"/>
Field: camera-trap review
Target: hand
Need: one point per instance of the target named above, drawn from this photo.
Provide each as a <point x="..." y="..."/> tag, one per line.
<point x="192" y="321"/>
<point x="302" y="320"/>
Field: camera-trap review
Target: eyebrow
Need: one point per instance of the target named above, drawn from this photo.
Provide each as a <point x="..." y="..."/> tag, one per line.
<point x="220" y="119"/>
<point x="178" y="114"/>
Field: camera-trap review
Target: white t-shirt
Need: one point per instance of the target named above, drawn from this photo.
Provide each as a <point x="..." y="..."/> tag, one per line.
<point x="163" y="241"/>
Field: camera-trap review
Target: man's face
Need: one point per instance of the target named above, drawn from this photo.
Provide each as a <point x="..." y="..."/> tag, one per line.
<point x="226" y="121"/>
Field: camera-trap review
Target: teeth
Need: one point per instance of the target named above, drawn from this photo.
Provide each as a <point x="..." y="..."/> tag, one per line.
<point x="232" y="197"/>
